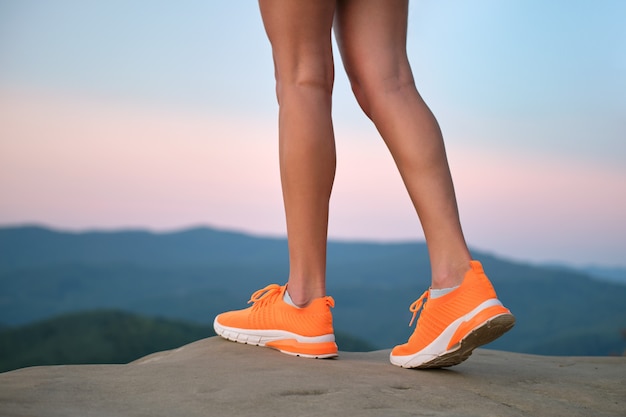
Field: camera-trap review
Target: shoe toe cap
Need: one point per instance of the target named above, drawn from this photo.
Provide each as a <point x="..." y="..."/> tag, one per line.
<point x="401" y="350"/>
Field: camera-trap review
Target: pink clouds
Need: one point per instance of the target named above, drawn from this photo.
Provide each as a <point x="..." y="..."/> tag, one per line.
<point x="81" y="163"/>
<point x="566" y="208"/>
<point x="85" y="163"/>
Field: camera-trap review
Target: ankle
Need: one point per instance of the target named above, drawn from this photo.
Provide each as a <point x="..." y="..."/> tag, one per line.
<point x="303" y="297"/>
<point x="436" y="293"/>
<point x="450" y="276"/>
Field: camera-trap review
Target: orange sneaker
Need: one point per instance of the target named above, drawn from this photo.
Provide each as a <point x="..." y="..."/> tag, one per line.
<point x="450" y="327"/>
<point x="271" y="322"/>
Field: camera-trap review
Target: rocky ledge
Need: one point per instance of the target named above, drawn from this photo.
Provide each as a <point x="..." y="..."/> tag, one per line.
<point x="214" y="377"/>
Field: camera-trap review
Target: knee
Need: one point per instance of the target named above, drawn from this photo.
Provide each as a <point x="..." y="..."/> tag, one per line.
<point x="363" y="86"/>
<point x="315" y="79"/>
<point x="361" y="95"/>
<point x="371" y="88"/>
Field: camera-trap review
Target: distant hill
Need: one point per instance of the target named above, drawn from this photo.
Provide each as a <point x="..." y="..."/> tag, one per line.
<point x="93" y="337"/>
<point x="613" y="274"/>
<point x="195" y="274"/>
<point x="28" y="247"/>
<point x="106" y="336"/>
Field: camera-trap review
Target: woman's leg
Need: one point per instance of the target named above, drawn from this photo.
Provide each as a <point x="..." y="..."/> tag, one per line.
<point x="300" y="34"/>
<point x="372" y="38"/>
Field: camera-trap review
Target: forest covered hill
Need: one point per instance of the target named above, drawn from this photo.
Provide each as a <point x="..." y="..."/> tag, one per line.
<point x="107" y="336"/>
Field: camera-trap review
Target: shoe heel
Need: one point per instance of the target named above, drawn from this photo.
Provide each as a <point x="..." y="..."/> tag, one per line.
<point x="499" y="316"/>
<point x="320" y="350"/>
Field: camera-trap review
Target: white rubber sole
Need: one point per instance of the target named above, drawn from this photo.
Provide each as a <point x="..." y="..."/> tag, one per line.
<point x="438" y="355"/>
<point x="284" y="341"/>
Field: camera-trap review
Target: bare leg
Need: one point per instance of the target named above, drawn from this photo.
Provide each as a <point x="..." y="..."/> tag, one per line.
<point x="300" y="34"/>
<point x="372" y="38"/>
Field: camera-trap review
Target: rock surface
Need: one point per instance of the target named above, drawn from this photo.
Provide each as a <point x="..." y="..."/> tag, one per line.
<point x="214" y="377"/>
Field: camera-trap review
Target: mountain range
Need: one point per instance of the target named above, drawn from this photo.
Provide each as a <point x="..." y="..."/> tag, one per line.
<point x="194" y="274"/>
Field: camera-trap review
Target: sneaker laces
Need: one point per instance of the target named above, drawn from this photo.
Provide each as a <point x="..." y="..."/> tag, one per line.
<point x="264" y="295"/>
<point x="269" y="293"/>
<point x="417" y="304"/>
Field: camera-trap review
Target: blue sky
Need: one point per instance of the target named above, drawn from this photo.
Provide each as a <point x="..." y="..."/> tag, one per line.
<point x="530" y="95"/>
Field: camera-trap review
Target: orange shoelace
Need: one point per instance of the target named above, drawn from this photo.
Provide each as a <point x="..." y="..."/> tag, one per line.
<point x="264" y="295"/>
<point x="269" y="293"/>
<point x="417" y="304"/>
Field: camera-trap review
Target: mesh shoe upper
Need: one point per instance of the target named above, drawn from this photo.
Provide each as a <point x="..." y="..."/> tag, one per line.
<point x="270" y="312"/>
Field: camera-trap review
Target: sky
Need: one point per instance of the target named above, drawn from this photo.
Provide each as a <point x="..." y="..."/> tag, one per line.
<point x="162" y="115"/>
